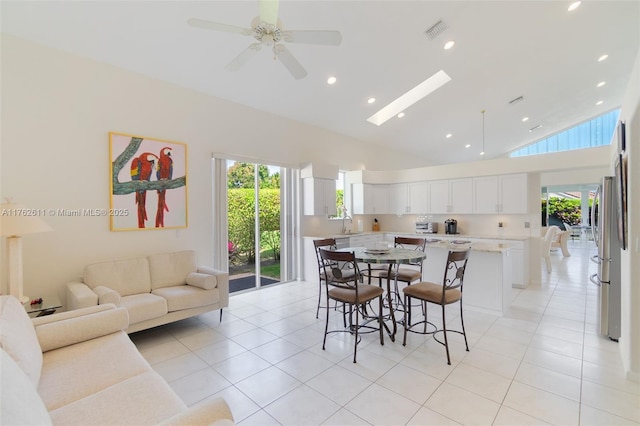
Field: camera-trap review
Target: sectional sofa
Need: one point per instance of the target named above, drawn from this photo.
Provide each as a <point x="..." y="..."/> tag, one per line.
<point x="80" y="368"/>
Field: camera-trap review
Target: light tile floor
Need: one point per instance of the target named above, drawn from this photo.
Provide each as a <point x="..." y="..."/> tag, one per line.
<point x="541" y="363"/>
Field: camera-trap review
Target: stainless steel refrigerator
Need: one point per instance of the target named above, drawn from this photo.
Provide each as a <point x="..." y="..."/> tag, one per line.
<point x="604" y="223"/>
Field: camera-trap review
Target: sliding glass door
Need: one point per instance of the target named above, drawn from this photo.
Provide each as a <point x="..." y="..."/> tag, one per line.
<point x="254" y="224"/>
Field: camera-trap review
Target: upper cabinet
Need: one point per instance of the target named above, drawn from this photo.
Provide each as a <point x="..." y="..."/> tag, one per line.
<point x="514" y="193"/>
<point x="370" y="198"/>
<point x="319" y="196"/>
<point x="398" y="198"/>
<point x="501" y="194"/>
<point x="506" y="194"/>
<point x="418" y="197"/>
<point x="451" y="196"/>
<point x="319" y="189"/>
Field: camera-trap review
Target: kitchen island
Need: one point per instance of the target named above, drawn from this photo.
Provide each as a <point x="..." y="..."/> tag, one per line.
<point x="488" y="278"/>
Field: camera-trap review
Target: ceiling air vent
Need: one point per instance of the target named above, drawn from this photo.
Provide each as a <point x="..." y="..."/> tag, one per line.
<point x="436" y="29"/>
<point x="516" y="100"/>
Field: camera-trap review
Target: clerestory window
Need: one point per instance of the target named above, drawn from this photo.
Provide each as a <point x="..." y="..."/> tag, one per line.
<point x="592" y="133"/>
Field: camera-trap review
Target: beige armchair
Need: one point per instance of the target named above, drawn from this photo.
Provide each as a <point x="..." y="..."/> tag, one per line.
<point x="550" y="234"/>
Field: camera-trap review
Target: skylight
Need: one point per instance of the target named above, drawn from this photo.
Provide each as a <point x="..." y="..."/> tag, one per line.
<point x="592" y="133"/>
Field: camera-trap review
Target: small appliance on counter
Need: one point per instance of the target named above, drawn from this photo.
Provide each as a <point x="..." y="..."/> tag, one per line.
<point x="451" y="226"/>
<point x="424" y="226"/>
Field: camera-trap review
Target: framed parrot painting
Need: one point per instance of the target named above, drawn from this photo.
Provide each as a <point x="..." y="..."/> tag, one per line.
<point x="148" y="184"/>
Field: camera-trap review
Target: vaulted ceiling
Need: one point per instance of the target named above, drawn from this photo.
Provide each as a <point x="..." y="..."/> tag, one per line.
<point x="537" y="50"/>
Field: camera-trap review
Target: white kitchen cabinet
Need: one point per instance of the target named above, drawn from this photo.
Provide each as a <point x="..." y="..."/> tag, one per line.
<point x="438" y="196"/>
<point x="513" y="190"/>
<point x="418" y="197"/>
<point x="319" y="196"/>
<point x="485" y="195"/>
<point x="398" y="198"/>
<point x="369" y="198"/>
<point x="505" y="194"/>
<point x="451" y="196"/>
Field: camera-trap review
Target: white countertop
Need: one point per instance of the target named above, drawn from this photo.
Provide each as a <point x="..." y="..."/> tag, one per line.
<point x="444" y="240"/>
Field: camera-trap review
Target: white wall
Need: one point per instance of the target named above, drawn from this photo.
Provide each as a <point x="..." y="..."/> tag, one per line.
<point x="57" y="111"/>
<point x="630" y="339"/>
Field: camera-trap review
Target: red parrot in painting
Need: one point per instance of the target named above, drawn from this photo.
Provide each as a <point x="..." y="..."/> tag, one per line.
<point x="165" y="172"/>
<point x="141" y="169"/>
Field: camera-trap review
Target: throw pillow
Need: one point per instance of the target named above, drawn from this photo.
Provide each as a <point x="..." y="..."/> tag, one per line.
<point x="204" y="281"/>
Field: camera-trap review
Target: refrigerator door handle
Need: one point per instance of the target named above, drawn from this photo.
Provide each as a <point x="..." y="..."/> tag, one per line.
<point x="595" y="259"/>
<point x="594" y="279"/>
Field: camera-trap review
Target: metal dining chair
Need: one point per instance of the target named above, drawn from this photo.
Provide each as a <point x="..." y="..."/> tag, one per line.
<point x="349" y="291"/>
<point x="450" y="291"/>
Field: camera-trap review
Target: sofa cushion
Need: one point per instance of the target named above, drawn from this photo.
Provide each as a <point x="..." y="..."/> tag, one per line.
<point x="145" y="399"/>
<point x="129" y="276"/>
<point x="74" y="372"/>
<point x="204" y="281"/>
<point x="185" y="297"/>
<point x="18" y="337"/>
<point x="20" y="404"/>
<point x="170" y="269"/>
<point x="142" y="307"/>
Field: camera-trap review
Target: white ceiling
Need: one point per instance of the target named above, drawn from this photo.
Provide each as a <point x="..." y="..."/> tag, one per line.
<point x="535" y="49"/>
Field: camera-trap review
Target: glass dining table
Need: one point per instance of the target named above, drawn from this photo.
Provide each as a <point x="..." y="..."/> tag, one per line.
<point x="391" y="256"/>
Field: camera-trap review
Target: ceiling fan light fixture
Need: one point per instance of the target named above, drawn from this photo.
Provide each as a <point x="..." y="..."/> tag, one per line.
<point x="423" y="89"/>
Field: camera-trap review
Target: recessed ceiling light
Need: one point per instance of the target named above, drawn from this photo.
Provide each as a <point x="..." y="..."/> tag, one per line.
<point x="411" y="97"/>
<point x="482" y="153"/>
<point x="467" y="146"/>
<point x="371" y="100"/>
<point x="448" y="135"/>
<point x="331" y="80"/>
<point x="573" y="6"/>
<point x="401" y="115"/>
<point x="448" y="45"/>
<point x="525" y="119"/>
<point x="602" y="58"/>
<point x="599" y="102"/>
<point x="602" y="83"/>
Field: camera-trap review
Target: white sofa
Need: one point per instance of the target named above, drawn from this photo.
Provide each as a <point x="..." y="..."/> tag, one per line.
<point x="156" y="289"/>
<point x="80" y="368"/>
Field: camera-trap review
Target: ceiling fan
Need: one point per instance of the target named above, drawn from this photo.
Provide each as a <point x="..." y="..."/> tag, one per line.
<point x="267" y="29"/>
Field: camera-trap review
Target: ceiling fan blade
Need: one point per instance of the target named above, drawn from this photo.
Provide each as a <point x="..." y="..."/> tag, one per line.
<point x="269" y="11"/>
<point x="244" y="57"/>
<point x="290" y="63"/>
<point x="216" y="26"/>
<point x="330" y="38"/>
